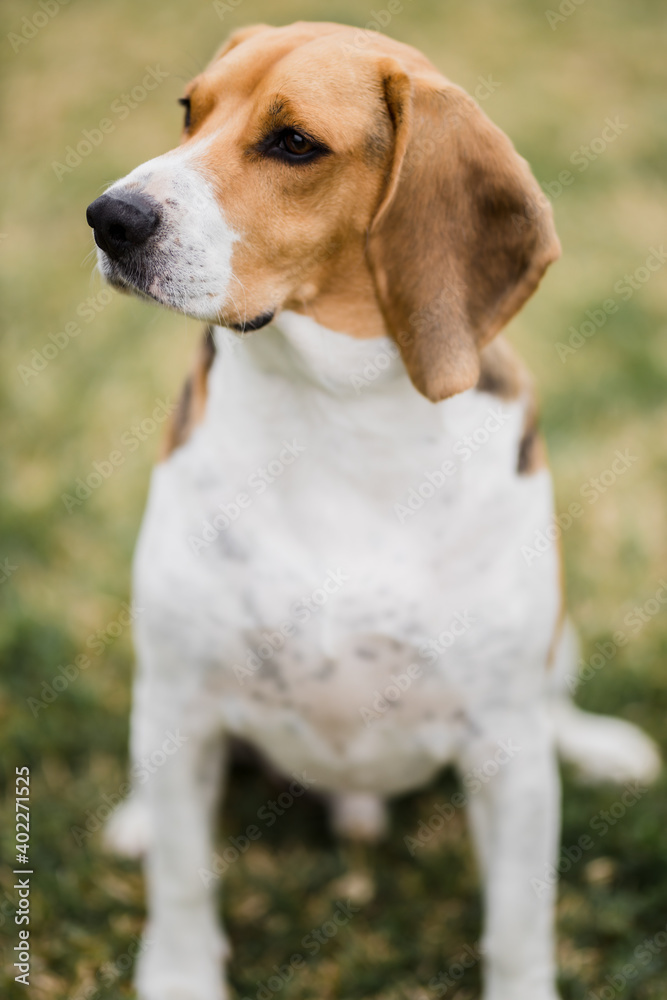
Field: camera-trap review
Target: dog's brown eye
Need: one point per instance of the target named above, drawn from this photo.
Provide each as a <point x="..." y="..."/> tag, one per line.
<point x="296" y="144"/>
<point x="185" y="102"/>
<point x="292" y="147"/>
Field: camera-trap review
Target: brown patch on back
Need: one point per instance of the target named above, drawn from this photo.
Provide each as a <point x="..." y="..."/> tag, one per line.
<point x="192" y="403"/>
<point x="532" y="450"/>
<point x="503" y="374"/>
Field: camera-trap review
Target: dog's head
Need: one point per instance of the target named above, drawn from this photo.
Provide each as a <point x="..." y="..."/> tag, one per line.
<point x="336" y="173"/>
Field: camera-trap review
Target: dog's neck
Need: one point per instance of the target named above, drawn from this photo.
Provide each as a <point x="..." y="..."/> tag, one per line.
<point x="341" y="294"/>
<point x="296" y="373"/>
<point x="297" y="349"/>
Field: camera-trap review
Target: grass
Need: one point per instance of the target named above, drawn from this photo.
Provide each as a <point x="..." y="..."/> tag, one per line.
<point x="416" y="915"/>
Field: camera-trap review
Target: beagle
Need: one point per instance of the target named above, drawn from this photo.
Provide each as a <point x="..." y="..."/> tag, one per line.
<point x="333" y="563"/>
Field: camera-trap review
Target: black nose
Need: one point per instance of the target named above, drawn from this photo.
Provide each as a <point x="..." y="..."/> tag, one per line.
<point x="122" y="221"/>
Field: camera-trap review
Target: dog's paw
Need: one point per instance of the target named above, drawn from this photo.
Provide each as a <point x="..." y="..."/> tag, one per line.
<point x="128" y="829"/>
<point x="190" y="969"/>
<point x="528" y="994"/>
<point x="171" y="986"/>
<point x="603" y="748"/>
<point x="359" y="816"/>
<point x="175" y="986"/>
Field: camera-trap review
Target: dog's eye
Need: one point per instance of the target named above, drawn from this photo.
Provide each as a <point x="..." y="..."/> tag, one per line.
<point x="295" y="144"/>
<point x="291" y="146"/>
<point x="185" y="102"/>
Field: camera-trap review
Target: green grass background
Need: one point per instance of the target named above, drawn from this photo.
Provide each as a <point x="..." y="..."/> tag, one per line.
<point x="557" y="87"/>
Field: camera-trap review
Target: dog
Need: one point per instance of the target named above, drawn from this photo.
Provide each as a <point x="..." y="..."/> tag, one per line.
<point x="338" y="561"/>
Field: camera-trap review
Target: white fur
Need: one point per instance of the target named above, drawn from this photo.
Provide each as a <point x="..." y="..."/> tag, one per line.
<point x="331" y="513"/>
<point x="359" y="816"/>
<point x="441" y="609"/>
<point x="189" y="257"/>
<point x="127" y="831"/>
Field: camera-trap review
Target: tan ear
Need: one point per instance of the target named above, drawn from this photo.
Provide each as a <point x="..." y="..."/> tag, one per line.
<point x="462" y="236"/>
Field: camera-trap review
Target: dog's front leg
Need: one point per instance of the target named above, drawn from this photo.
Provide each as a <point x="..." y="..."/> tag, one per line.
<point x="184" y="949"/>
<point x="514" y="808"/>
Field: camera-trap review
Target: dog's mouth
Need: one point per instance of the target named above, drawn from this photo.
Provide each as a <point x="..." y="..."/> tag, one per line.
<point x="114" y="277"/>
<point x="145" y="274"/>
<point x="150" y="285"/>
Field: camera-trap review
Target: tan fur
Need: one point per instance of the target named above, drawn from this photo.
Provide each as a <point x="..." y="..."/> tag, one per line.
<point x="438" y="247"/>
<point x="463" y="237"/>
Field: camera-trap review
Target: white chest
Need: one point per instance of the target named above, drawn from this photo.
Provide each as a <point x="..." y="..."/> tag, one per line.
<point x="340" y="560"/>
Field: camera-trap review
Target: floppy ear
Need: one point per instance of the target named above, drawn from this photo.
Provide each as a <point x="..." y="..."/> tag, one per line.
<point x="462" y="236"/>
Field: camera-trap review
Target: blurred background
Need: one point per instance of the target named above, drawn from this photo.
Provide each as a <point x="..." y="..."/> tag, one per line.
<point x="580" y="88"/>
